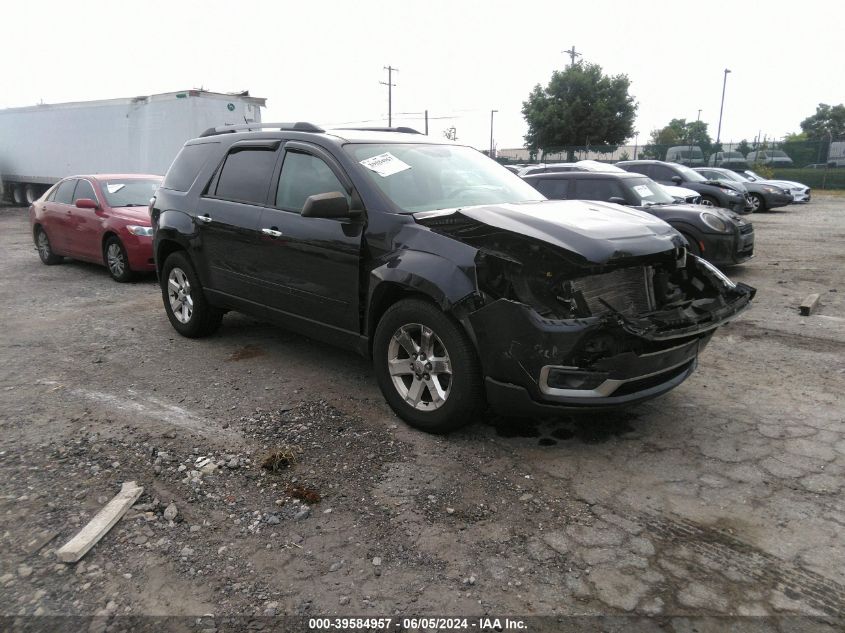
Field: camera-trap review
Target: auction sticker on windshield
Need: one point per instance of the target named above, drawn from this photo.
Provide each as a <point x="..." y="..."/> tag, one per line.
<point x="385" y="164"/>
<point x="644" y="191"/>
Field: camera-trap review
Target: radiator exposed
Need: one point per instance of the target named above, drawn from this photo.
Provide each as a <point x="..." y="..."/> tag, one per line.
<point x="628" y="290"/>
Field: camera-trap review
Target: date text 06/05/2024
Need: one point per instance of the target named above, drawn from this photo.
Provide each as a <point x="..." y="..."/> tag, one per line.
<point x="416" y="623"/>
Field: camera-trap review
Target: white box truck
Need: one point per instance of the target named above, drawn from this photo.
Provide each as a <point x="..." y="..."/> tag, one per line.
<point x="836" y="154"/>
<point x="42" y="144"/>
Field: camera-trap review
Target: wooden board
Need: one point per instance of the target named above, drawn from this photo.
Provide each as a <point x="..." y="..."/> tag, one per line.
<point x="97" y="527"/>
<point x="809" y="305"/>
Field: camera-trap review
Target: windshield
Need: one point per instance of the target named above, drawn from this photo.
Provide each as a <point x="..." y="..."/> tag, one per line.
<point x="425" y="177"/>
<point x="729" y="175"/>
<point x="727" y="155"/>
<point x="128" y="192"/>
<point x="648" y="191"/>
<point x="751" y="176"/>
<point x="690" y="175"/>
<point x="776" y="153"/>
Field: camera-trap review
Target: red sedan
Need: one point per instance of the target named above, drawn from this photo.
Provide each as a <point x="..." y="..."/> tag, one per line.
<point x="102" y="219"/>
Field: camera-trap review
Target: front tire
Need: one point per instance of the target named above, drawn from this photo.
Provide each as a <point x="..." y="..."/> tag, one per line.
<point x="757" y="202"/>
<point x="187" y="308"/>
<point x="45" y="251"/>
<point x="115" y="259"/>
<point x="427" y="367"/>
<point x="709" y="201"/>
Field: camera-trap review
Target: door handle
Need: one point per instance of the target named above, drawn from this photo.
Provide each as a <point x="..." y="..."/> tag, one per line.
<point x="204" y="218"/>
<point x="272" y="232"/>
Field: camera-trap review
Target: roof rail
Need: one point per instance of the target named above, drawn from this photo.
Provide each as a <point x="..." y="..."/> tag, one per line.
<point x="403" y="129"/>
<point x="298" y="126"/>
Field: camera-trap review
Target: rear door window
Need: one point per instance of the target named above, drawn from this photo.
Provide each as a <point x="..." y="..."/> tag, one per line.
<point x="64" y="193"/>
<point x="554" y="189"/>
<point x="597" y="189"/>
<point x="662" y="173"/>
<point x="638" y="169"/>
<point x="246" y="175"/>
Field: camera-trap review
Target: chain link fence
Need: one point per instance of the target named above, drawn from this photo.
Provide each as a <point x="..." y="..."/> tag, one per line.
<point x="819" y="164"/>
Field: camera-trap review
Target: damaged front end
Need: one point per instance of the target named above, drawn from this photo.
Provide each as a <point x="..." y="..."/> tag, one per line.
<point x="555" y="328"/>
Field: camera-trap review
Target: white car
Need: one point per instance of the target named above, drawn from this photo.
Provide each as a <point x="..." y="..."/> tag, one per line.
<point x="800" y="192"/>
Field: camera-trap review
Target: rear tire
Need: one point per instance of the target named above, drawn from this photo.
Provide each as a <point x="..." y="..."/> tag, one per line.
<point x="187" y="308"/>
<point x="427" y="367"/>
<point x="45" y="251"/>
<point x="30" y="194"/>
<point x="115" y="259"/>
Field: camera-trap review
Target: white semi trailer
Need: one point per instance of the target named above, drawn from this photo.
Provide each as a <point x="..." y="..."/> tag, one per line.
<point x="41" y="144"/>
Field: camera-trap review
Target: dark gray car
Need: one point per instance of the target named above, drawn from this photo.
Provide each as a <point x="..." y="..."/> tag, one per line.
<point x="714" y="193"/>
<point x="762" y="196"/>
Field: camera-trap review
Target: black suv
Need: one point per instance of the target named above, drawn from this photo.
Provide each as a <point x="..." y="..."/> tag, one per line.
<point x="714" y="193"/>
<point x="720" y="236"/>
<point x="464" y="285"/>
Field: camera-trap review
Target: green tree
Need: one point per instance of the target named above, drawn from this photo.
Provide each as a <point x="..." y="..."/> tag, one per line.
<point x="826" y="122"/>
<point x="743" y="147"/>
<point x="580" y="107"/>
<point x="678" y="132"/>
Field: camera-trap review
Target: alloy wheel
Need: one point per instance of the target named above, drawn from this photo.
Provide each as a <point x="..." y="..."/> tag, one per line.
<point x="419" y="367"/>
<point x="179" y="294"/>
<point x="115" y="259"/>
<point x="43" y="245"/>
<point x="706" y="202"/>
<point x="755" y="203"/>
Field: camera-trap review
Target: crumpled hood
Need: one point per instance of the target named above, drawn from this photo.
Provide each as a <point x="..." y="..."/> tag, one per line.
<point x="598" y="231"/>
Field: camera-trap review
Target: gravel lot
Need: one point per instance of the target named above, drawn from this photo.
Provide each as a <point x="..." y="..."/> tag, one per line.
<point x="721" y="497"/>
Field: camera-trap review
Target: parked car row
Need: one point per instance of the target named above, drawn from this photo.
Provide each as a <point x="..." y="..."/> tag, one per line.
<point x="464" y="284"/>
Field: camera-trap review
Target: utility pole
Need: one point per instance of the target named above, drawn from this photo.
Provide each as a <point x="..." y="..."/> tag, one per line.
<point x="426" y="122"/>
<point x="572" y="54"/>
<point x="390" y="70"/>
<point x="492" y="112"/>
<point x="722" y="107"/>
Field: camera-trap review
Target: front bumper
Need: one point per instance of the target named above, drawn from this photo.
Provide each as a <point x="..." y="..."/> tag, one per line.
<point x="139" y="251"/>
<point x="774" y="200"/>
<point x="533" y="365"/>
<point x="800" y="195"/>
<point x="726" y="250"/>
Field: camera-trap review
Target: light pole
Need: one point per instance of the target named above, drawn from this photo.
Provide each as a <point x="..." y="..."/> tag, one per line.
<point x="722" y="107"/>
<point x="492" y="112"/>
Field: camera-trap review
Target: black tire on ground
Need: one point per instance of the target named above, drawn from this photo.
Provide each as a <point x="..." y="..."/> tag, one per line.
<point x="45" y="251"/>
<point x="709" y="201"/>
<point x="693" y="248"/>
<point x="179" y="282"/>
<point x="464" y="398"/>
<point x="758" y="203"/>
<point x="31" y="193"/>
<point x="116" y="261"/>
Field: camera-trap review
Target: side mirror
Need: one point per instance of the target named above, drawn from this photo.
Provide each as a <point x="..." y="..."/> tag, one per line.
<point x="327" y="205"/>
<point x="617" y="200"/>
<point x="87" y="203"/>
<point x="677" y="180"/>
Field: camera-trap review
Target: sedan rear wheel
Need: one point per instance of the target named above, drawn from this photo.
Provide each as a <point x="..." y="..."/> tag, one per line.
<point x="45" y="251"/>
